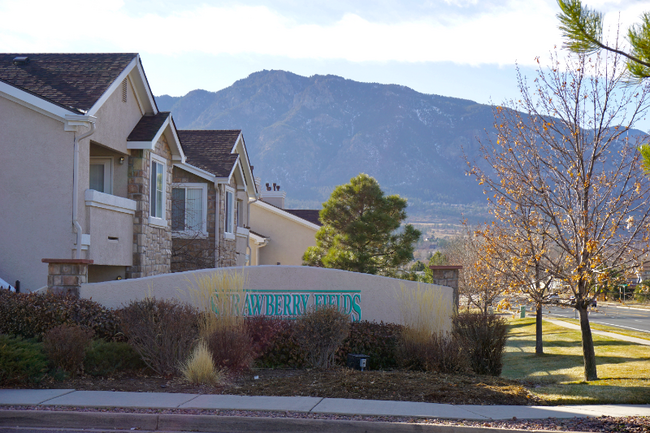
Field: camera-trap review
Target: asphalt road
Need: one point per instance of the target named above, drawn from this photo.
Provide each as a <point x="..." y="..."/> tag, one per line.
<point x="622" y="317"/>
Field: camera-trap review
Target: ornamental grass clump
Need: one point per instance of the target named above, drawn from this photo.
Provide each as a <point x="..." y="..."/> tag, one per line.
<point x="426" y="342"/>
<point x="321" y="331"/>
<point x="221" y="298"/>
<point x="200" y="368"/>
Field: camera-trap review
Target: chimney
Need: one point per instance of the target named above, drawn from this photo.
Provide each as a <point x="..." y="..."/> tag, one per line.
<point x="273" y="196"/>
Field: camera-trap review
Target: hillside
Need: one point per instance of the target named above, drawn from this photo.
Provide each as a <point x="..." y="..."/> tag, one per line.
<point x="309" y="134"/>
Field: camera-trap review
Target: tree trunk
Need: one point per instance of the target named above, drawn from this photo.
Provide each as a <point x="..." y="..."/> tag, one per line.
<point x="539" y="344"/>
<point x="588" y="352"/>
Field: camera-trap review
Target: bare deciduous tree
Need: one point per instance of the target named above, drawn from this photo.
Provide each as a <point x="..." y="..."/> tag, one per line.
<point x="573" y="159"/>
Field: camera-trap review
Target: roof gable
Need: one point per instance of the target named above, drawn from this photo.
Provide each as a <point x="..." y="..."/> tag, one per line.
<point x="75" y="82"/>
<point x="210" y="150"/>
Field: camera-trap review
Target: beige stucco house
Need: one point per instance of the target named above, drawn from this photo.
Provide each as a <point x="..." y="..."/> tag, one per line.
<point x="88" y="168"/>
<point x="280" y="236"/>
<point x="210" y="195"/>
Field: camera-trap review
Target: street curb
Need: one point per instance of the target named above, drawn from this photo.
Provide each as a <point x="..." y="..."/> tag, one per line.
<point x="65" y="419"/>
<point x="218" y="424"/>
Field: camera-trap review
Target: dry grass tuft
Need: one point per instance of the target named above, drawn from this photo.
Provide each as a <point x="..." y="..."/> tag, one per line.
<point x="220" y="297"/>
<point x="424" y="313"/>
<point x="200" y="368"/>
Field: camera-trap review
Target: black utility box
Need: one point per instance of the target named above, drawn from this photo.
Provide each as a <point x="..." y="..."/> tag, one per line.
<point x="358" y="361"/>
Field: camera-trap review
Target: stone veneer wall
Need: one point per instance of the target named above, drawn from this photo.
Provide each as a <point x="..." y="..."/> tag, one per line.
<point x="195" y="253"/>
<point x="151" y="244"/>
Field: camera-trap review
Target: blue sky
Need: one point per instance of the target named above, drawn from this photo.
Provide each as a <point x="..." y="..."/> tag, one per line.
<point x="460" y="48"/>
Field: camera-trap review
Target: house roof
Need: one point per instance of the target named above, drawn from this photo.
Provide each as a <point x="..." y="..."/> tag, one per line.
<point x="311" y="215"/>
<point x="148" y="127"/>
<point x="210" y="150"/>
<point x="72" y="81"/>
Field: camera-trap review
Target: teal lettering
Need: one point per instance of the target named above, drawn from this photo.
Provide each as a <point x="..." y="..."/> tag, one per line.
<point x="278" y="307"/>
<point x="317" y="300"/>
<point x="286" y="311"/>
<point x="356" y="307"/>
<point x="255" y="304"/>
<point x="296" y="305"/>
<point x="347" y="304"/>
<point x="269" y="305"/>
<point x="305" y="299"/>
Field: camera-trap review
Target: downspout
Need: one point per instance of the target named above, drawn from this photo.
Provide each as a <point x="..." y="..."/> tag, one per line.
<point x="249" y="250"/>
<point x="75" y="187"/>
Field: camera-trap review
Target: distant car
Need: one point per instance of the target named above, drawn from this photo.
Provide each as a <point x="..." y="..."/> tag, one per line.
<point x="554" y="298"/>
<point x="592" y="303"/>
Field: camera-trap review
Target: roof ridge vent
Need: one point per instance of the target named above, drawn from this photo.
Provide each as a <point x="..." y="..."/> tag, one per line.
<point x="20" y="60"/>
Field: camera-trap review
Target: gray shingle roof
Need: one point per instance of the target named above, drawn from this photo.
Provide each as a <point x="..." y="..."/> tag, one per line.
<point x="210" y="149"/>
<point x="72" y="81"/>
<point x="310" y="215"/>
<point x="148" y="127"/>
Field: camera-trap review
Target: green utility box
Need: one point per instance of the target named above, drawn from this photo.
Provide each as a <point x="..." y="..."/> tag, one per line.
<point x="522" y="315"/>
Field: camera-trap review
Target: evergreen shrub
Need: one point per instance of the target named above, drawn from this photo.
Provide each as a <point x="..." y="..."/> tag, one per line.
<point x="377" y="340"/>
<point x="105" y="358"/>
<point x="22" y="361"/>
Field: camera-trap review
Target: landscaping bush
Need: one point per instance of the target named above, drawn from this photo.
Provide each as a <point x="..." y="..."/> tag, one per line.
<point x="231" y="348"/>
<point x="104" y="358"/>
<point x="162" y="331"/>
<point x="283" y="350"/>
<point x="483" y="338"/>
<point x="31" y="315"/>
<point x="440" y="353"/>
<point x="65" y="346"/>
<point x="263" y="332"/>
<point x="21" y="361"/>
<point x="200" y="367"/>
<point x="377" y="340"/>
<point x="321" y="332"/>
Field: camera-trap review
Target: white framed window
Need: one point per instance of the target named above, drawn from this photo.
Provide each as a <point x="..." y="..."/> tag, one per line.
<point x="190" y="209"/>
<point x="100" y="175"/>
<point x="229" y="228"/>
<point x="240" y="213"/>
<point x="157" y="184"/>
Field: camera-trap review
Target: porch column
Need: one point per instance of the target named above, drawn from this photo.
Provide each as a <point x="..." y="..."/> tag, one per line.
<point x="66" y="275"/>
<point x="447" y="276"/>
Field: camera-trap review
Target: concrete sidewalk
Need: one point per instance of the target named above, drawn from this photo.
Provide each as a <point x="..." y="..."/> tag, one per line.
<point x="316" y="405"/>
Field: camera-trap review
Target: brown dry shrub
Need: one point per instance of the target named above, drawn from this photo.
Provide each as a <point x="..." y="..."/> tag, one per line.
<point x="65" y="346"/>
<point x="440" y="353"/>
<point x="162" y="331"/>
<point x="231" y="349"/>
<point x="30" y="315"/>
<point x="483" y="337"/>
<point x="321" y="332"/>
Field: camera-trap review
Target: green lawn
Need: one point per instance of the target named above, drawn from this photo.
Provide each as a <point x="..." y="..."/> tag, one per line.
<point x="557" y="376"/>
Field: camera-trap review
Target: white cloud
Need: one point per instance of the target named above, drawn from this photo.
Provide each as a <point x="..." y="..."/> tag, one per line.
<point x="61" y="26"/>
<point x="519" y="32"/>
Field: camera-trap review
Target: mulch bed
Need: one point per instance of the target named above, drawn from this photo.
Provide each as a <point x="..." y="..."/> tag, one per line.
<point x="346" y="383"/>
<point x="337" y="383"/>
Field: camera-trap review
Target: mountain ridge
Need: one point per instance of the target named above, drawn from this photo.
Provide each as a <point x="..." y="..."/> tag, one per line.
<point x="310" y="134"/>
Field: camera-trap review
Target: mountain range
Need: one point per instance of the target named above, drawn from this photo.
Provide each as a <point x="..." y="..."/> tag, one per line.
<point x="309" y="134"/>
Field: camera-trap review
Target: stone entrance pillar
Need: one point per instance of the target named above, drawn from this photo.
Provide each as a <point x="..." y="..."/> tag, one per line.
<point x="66" y="275"/>
<point x="447" y="275"/>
